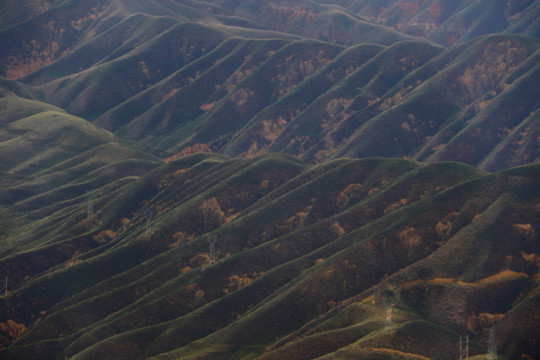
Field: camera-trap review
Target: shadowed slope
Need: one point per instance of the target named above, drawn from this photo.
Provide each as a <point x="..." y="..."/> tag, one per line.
<point x="295" y="240"/>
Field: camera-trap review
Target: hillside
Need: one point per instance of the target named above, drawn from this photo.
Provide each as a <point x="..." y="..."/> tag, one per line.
<point x="49" y="161"/>
<point x="308" y="251"/>
<point x="404" y="97"/>
<point x="449" y="21"/>
<point x="269" y="179"/>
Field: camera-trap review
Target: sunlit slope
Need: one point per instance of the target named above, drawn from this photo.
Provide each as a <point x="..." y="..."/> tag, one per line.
<point x="48" y="159"/>
<point x="298" y="247"/>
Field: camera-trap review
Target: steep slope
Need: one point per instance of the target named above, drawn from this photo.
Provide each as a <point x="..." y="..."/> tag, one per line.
<point x="314" y="20"/>
<point x="308" y="251"/>
<point x="448" y="21"/>
<point x="475" y="102"/>
<point x="471" y="103"/>
<point x="474" y="85"/>
<point x="49" y="160"/>
<point x="306" y="204"/>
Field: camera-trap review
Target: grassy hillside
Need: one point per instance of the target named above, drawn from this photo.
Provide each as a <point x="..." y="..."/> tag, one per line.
<point x="319" y="245"/>
<point x="245" y="78"/>
<point x="50" y="159"/>
<point x="367" y="172"/>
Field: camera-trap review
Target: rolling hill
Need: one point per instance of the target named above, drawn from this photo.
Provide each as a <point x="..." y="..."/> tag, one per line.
<point x="269" y="179"/>
<point x="475" y="102"/>
<point x="305" y="256"/>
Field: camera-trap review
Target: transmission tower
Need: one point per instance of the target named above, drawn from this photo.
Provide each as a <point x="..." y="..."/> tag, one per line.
<point x="389" y="304"/>
<point x="90" y="205"/>
<point x="492" y="347"/>
<point x="212" y="240"/>
<point x="463" y="348"/>
<point x="148" y="215"/>
<point x="4" y="289"/>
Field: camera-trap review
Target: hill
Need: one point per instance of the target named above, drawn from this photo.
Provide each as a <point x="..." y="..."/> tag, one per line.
<point x="49" y="160"/>
<point x="448" y="22"/>
<point x="269" y="179"/>
<point x="305" y="254"/>
<point x="392" y="95"/>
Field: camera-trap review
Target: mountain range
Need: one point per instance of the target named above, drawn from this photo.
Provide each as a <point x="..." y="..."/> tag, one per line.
<point x="269" y="179"/>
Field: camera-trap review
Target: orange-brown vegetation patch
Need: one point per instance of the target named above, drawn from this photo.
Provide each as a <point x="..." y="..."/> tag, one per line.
<point x="273" y="128"/>
<point x="237" y="77"/>
<point x="376" y="188"/>
<point x="395" y="206"/>
<point x="104" y="236"/>
<point x="180" y="238"/>
<point x="532" y="259"/>
<point x="344" y="196"/>
<point x="442" y="281"/>
<point x="502" y="276"/>
<point x="297" y="221"/>
<point x="185" y="270"/>
<point x="193" y="149"/>
<point x="498" y="60"/>
<point x="170" y="93"/>
<point x="72" y="263"/>
<point x="11" y="329"/>
<point x="241" y="97"/>
<point x="409" y="237"/>
<point x="401" y="354"/>
<point x="396" y="98"/>
<point x="476" y="323"/>
<point x="324" y="154"/>
<point x="337" y="229"/>
<point x="199" y="260"/>
<point x="212" y="214"/>
<point x="236" y="282"/>
<point x="476" y="217"/>
<point x="255" y="149"/>
<point x="144" y="69"/>
<point x="524" y="229"/>
<point x="208" y="106"/>
<point x="198" y="297"/>
<point x="169" y="178"/>
<point x="337" y="105"/>
<point x="37" y="57"/>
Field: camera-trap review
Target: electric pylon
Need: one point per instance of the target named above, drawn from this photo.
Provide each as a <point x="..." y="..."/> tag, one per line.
<point x="212" y="240"/>
<point x="389" y="304"/>
<point x="148" y="215"/>
<point x="463" y="348"/>
<point x="492" y="346"/>
<point x="4" y="288"/>
<point x="90" y="205"/>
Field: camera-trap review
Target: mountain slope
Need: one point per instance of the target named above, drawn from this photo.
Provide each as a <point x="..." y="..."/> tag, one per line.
<point x="474" y="102"/>
<point x="50" y="158"/>
<point x="268" y="179"/>
<point x="448" y="21"/>
<point x="411" y="99"/>
<point x="330" y="240"/>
